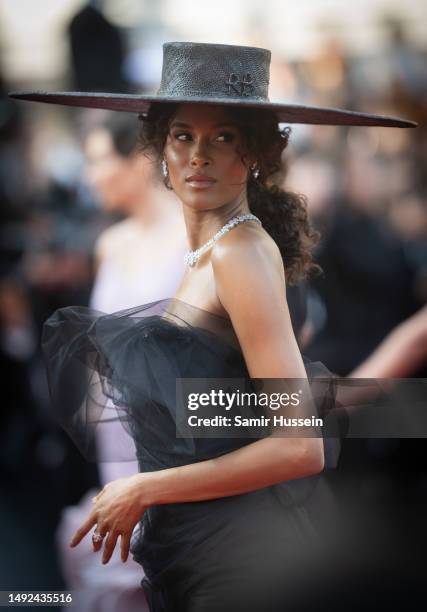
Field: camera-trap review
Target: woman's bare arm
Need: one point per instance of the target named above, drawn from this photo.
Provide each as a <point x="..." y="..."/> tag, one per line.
<point x="400" y="353"/>
<point x="121" y="503"/>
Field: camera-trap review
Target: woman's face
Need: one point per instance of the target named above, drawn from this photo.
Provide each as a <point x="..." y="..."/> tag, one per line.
<point x="203" y="152"/>
<point x="110" y="174"/>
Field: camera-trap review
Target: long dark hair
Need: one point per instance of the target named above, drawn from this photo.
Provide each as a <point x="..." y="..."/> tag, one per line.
<point x="283" y="214"/>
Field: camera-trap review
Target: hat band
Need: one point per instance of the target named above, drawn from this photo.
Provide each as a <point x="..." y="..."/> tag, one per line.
<point x="233" y="86"/>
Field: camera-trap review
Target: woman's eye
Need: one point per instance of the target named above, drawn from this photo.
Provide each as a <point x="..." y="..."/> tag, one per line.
<point x="183" y="136"/>
<point x="226" y="137"/>
<point x="186" y="136"/>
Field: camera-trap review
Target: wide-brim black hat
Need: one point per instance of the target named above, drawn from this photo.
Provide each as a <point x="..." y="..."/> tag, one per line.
<point x="230" y="75"/>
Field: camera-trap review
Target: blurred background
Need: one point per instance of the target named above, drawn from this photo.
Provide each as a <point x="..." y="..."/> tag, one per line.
<point x="367" y="194"/>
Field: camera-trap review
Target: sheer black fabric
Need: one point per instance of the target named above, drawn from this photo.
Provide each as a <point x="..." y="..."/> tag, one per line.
<point x="217" y="554"/>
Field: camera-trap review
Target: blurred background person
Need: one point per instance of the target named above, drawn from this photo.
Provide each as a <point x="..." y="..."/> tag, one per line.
<point x="142" y="253"/>
<point x="138" y="260"/>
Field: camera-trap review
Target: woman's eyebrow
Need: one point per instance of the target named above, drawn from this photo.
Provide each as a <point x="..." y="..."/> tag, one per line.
<point x="179" y="124"/>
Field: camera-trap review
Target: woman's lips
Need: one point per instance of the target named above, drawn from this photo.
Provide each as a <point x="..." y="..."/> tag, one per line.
<point x="200" y="181"/>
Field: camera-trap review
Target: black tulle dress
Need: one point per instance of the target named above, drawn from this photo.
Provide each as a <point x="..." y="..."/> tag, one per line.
<point x="247" y="552"/>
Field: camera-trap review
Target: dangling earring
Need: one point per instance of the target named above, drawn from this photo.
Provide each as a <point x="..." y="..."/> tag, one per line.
<point x="165" y="172"/>
<point x="255" y="171"/>
<point x="165" y="168"/>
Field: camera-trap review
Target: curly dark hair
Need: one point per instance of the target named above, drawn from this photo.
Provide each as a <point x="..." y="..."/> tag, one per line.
<point x="283" y="214"/>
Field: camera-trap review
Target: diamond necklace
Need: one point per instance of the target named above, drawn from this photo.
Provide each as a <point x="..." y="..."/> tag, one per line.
<point x="192" y="257"/>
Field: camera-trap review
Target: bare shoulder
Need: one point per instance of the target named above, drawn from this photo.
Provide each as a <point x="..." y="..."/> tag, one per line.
<point x="246" y="247"/>
<point x="249" y="275"/>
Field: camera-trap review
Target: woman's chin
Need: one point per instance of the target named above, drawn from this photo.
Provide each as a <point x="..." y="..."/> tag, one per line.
<point x="205" y="199"/>
<point x="201" y="201"/>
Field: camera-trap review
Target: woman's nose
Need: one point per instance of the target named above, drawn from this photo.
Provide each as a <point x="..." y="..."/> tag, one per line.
<point x="198" y="162"/>
<point x="199" y="157"/>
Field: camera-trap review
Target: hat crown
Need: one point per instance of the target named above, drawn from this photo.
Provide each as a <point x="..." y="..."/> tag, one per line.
<point x="206" y="71"/>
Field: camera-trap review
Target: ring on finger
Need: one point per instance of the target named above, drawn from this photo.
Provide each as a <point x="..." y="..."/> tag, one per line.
<point x="97" y="538"/>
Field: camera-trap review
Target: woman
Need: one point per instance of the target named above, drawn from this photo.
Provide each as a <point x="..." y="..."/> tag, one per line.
<point x="223" y="527"/>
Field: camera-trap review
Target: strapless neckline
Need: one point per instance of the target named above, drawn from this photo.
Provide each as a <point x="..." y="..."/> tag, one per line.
<point x="178" y="313"/>
<point x="165" y="305"/>
<point x="174" y="300"/>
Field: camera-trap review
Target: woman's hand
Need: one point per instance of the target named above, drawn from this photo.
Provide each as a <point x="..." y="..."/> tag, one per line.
<point x="117" y="509"/>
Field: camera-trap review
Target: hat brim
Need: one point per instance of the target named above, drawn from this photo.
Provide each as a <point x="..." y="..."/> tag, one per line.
<point x="286" y="113"/>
